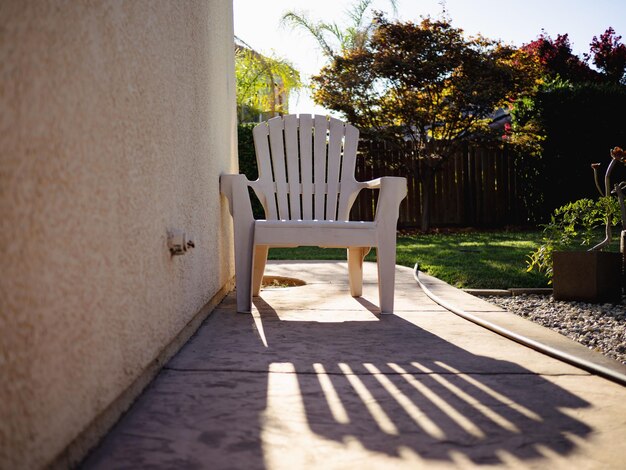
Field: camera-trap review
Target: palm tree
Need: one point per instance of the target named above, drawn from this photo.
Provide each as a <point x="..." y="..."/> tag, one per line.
<point x="263" y="83"/>
<point x="332" y="39"/>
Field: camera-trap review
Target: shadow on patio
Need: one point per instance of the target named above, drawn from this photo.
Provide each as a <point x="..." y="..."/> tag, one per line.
<point x="297" y="388"/>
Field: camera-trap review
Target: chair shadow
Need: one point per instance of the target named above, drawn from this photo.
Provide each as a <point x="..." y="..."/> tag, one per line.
<point x="260" y="391"/>
<point x="372" y="307"/>
<point x="392" y="385"/>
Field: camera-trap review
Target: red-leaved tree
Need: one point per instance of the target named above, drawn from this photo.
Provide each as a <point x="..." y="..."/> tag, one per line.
<point x="557" y="59"/>
<point x="609" y="55"/>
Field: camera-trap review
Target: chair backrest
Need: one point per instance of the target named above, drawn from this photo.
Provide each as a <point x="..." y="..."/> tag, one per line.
<point x="306" y="167"/>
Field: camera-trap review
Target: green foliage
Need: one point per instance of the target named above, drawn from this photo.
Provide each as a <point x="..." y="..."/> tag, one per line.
<point x="425" y="80"/>
<point x="580" y="220"/>
<point x="263" y="84"/>
<point x="335" y="39"/>
<point x="571" y="226"/>
<point x="566" y="127"/>
<point x="527" y="133"/>
<point x="581" y="123"/>
<point x="572" y="118"/>
<point x="247" y="157"/>
<point x="247" y="163"/>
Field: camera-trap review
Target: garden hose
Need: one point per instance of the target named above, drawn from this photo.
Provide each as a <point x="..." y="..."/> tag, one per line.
<point x="584" y="364"/>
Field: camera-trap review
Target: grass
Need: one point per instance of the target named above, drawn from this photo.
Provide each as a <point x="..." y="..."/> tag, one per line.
<point x="487" y="260"/>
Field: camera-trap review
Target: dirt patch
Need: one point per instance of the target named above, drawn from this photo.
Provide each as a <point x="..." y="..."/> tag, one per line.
<point x="277" y="282"/>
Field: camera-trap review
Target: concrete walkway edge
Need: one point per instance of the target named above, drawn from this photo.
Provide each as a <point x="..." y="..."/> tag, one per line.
<point x="508" y="325"/>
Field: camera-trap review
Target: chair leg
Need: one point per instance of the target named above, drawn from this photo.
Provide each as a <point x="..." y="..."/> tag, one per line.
<point x="386" y="256"/>
<point x="356" y="254"/>
<point x="235" y="188"/>
<point x="244" y="250"/>
<point x="243" y="275"/>
<point x="258" y="267"/>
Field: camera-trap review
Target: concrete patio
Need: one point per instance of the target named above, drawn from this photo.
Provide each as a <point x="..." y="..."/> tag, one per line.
<point x="317" y="379"/>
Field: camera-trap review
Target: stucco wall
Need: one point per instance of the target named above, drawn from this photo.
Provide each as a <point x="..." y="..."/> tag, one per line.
<point x="116" y="120"/>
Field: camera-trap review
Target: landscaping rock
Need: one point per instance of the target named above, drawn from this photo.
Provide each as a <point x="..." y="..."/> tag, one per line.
<point x="600" y="327"/>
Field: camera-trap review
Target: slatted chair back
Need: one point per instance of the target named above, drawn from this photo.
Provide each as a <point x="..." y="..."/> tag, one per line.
<point x="306" y="167"/>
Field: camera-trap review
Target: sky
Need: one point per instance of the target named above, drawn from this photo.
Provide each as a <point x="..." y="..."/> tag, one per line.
<point x="516" y="22"/>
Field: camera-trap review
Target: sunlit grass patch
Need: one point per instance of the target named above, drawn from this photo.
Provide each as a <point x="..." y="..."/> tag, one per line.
<point x="494" y="260"/>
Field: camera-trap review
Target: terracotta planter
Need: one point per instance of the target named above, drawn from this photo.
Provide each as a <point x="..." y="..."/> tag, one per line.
<point x="589" y="276"/>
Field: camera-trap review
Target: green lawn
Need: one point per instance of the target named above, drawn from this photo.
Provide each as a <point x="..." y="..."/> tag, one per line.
<point x="488" y="260"/>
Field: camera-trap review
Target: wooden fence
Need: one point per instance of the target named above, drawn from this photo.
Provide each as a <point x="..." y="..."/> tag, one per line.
<point x="476" y="187"/>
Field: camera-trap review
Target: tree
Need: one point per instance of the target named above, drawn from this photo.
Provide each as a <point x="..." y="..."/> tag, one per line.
<point x="425" y="83"/>
<point x="557" y="60"/>
<point x="263" y="83"/>
<point x="571" y="118"/>
<point x="609" y="55"/>
<point x="333" y="39"/>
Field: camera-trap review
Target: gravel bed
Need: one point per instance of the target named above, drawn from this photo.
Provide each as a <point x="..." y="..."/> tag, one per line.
<point x="601" y="327"/>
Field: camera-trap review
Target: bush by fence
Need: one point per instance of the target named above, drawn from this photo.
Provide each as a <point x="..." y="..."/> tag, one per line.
<point x="581" y="123"/>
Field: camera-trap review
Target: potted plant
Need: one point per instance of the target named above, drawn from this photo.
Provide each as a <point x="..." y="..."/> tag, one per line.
<point x="594" y="275"/>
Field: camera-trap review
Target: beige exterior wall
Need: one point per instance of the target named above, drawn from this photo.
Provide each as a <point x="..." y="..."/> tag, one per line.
<point x="116" y="120"/>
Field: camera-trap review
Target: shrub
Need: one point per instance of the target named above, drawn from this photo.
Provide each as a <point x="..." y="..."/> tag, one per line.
<point x="573" y="225"/>
<point x="580" y="123"/>
<point x="247" y="163"/>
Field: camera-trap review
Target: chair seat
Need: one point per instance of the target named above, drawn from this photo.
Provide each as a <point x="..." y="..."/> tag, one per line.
<point x="326" y="233"/>
<point x="338" y="224"/>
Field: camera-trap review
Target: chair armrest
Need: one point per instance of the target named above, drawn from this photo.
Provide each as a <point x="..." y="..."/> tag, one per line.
<point x="372" y="184"/>
<point x="393" y="190"/>
<point x="235" y="188"/>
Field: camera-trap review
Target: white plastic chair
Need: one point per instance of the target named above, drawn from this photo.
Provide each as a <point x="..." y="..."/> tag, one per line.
<point x="307" y="187"/>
